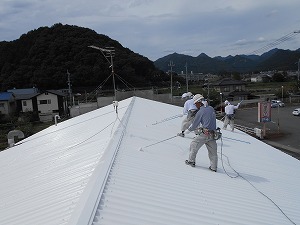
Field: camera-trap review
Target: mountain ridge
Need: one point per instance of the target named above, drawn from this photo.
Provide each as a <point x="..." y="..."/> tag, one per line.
<point x="274" y="59"/>
<point x="42" y="57"/>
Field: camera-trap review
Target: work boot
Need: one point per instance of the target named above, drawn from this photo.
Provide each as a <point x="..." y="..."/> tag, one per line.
<point x="180" y="134"/>
<point x="212" y="169"/>
<point x="192" y="164"/>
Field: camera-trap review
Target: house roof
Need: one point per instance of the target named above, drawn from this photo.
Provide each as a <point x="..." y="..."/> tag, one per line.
<point x="55" y="92"/>
<point x="6" y="96"/>
<point x="126" y="166"/>
<point x="25" y="96"/>
<point x="228" y="81"/>
<point x="24" y="91"/>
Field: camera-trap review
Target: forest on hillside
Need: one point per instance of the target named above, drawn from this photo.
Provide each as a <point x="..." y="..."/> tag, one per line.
<point x="43" y="58"/>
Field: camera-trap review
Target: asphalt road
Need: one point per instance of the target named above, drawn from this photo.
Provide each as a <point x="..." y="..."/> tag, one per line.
<point x="283" y="130"/>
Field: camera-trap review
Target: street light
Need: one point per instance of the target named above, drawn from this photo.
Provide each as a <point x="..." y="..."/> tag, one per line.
<point x="282" y="93"/>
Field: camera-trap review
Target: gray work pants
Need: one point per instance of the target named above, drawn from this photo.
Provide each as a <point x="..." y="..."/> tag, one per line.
<point x="187" y="121"/>
<point x="228" y="121"/>
<point x="211" y="146"/>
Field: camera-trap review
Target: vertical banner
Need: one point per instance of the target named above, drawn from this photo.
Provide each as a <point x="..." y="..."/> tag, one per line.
<point x="264" y="111"/>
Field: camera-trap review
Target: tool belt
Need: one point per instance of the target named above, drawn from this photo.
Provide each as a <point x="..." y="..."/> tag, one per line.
<point x="210" y="134"/>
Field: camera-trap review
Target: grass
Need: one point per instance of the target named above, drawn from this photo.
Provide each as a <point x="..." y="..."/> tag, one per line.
<point x="28" y="128"/>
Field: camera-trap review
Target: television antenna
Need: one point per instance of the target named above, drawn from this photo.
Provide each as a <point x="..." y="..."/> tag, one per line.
<point x="109" y="53"/>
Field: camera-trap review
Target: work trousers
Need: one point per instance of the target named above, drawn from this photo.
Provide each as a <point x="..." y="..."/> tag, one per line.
<point x="229" y="121"/>
<point x="211" y="146"/>
<point x="188" y="120"/>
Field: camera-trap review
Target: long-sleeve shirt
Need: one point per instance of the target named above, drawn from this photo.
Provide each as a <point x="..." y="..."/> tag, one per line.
<point x="189" y="105"/>
<point x="206" y="117"/>
<point x="229" y="109"/>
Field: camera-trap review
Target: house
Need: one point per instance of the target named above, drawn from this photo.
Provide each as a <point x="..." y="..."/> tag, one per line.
<point x="125" y="165"/>
<point x="7" y="103"/>
<point x="260" y="78"/>
<point x="232" y="89"/>
<point x="46" y="104"/>
<point x="51" y="103"/>
<point x="25" y="99"/>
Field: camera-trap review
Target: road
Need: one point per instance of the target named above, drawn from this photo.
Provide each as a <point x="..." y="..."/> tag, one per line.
<point x="282" y="132"/>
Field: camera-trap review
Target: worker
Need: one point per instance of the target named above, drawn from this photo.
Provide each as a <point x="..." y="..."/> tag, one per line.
<point x="229" y="114"/>
<point x="190" y="110"/>
<point x="205" y="120"/>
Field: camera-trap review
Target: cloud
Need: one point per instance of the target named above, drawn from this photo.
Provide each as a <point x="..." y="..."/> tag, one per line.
<point x="153" y="27"/>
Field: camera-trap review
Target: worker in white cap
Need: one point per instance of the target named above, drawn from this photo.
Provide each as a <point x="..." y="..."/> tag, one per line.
<point x="205" y="118"/>
<point x="190" y="110"/>
<point x="229" y="114"/>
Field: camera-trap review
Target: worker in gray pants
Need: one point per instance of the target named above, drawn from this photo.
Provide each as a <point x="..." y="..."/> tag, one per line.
<point x="206" y="119"/>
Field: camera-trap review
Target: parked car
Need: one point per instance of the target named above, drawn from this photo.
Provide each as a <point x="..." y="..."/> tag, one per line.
<point x="274" y="104"/>
<point x="296" y="112"/>
<point x="277" y="103"/>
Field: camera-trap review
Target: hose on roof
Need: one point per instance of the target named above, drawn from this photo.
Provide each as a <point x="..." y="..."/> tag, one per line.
<point x="239" y="175"/>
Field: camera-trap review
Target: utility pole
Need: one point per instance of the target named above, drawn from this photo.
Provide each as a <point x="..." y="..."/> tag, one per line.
<point x="187" y="82"/>
<point x="298" y="75"/>
<point x="171" y="64"/>
<point x="69" y="90"/>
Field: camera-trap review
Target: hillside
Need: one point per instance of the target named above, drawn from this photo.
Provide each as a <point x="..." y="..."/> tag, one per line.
<point x="275" y="59"/>
<point x="42" y="57"/>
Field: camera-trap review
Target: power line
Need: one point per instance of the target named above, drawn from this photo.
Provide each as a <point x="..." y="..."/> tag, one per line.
<point x="276" y="42"/>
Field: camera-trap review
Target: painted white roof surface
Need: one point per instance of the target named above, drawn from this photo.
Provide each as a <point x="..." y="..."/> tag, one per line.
<point x="128" y="168"/>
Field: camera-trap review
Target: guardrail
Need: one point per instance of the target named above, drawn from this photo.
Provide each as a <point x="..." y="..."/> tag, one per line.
<point x="252" y="131"/>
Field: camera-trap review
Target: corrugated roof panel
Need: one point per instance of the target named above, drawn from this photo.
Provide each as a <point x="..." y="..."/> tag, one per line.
<point x="128" y="168"/>
<point x="44" y="176"/>
<point x="154" y="186"/>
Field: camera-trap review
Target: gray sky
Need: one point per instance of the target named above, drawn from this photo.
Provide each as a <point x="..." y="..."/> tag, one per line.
<point x="156" y="28"/>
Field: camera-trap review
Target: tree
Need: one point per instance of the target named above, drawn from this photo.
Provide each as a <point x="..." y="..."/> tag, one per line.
<point x="278" y="77"/>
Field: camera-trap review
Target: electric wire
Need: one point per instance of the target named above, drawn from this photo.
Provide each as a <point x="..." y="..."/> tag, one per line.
<point x="287" y="37"/>
<point x="126" y="83"/>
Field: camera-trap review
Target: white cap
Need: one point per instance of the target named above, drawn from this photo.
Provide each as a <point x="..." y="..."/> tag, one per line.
<point x="189" y="94"/>
<point x="198" y="98"/>
<point x="227" y="102"/>
<point x="184" y="95"/>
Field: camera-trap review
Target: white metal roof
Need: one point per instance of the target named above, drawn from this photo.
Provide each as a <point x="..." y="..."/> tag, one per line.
<point x="128" y="167"/>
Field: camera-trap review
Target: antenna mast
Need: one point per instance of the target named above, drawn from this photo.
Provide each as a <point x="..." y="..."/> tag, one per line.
<point x="109" y="53"/>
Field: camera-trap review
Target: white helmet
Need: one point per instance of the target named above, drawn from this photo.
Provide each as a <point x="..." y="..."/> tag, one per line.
<point x="184" y="95"/>
<point x="198" y="98"/>
<point x="227" y="102"/>
<point x="189" y="94"/>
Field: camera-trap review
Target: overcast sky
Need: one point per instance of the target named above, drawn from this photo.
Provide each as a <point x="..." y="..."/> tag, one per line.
<point x="156" y="28"/>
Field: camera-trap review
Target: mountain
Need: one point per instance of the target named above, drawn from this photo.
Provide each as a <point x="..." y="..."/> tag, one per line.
<point x="275" y="59"/>
<point x="42" y="57"/>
